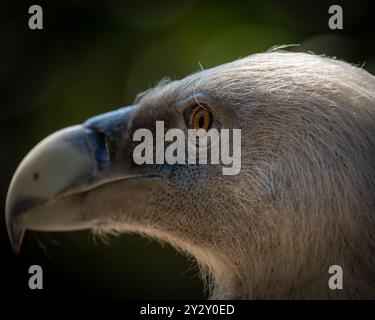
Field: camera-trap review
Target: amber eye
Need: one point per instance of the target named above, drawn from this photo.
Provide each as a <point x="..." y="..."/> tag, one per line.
<point x="202" y="119"/>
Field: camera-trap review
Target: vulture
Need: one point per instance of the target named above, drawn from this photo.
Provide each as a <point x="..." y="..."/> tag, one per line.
<point x="303" y="201"/>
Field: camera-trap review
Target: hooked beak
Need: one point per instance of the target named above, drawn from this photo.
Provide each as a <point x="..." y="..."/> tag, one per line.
<point x="71" y="178"/>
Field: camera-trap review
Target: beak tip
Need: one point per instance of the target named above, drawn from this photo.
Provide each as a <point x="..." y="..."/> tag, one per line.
<point x="16" y="234"/>
<point x="17" y="238"/>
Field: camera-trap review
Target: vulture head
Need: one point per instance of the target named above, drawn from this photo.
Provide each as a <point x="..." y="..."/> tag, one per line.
<point x="304" y="199"/>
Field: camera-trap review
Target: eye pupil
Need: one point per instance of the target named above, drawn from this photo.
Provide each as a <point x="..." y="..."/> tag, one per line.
<point x="202" y="119"/>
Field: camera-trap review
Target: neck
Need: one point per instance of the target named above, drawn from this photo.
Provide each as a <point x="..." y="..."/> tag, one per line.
<point x="290" y="262"/>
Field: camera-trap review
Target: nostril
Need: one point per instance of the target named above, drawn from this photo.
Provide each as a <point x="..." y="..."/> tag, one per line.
<point x="106" y="132"/>
<point x="102" y="147"/>
<point x="103" y="140"/>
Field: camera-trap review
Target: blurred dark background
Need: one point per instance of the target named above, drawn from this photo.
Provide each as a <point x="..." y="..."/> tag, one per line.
<point x="95" y="56"/>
